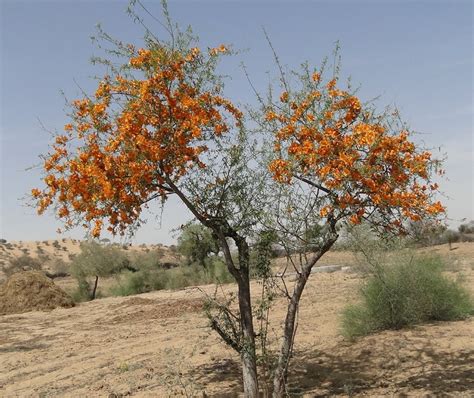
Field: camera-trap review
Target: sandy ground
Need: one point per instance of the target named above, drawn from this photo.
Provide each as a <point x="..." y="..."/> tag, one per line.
<point x="159" y="345"/>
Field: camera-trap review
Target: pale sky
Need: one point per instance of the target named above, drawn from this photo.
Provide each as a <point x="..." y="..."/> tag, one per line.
<point x="416" y="54"/>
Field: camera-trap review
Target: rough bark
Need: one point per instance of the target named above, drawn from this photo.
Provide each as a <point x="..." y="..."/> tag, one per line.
<point x="249" y="364"/>
<point x="248" y="354"/>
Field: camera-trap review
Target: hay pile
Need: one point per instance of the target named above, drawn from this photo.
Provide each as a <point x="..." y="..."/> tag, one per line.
<point x="31" y="291"/>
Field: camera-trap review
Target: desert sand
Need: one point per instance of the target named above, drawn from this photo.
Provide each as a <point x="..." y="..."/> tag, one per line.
<point x="159" y="345"/>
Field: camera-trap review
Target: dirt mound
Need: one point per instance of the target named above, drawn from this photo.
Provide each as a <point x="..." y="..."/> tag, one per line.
<point x="31" y="291"/>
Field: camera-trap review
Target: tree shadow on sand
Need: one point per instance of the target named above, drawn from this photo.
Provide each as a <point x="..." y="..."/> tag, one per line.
<point x="226" y="372"/>
<point x="392" y="365"/>
<point x="322" y="373"/>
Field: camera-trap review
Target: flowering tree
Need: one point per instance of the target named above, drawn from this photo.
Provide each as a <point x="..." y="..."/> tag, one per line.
<point x="337" y="161"/>
<point x="158" y="125"/>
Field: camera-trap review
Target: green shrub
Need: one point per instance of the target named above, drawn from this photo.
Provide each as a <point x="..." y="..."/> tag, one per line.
<point x="262" y="252"/>
<point x="82" y="292"/>
<point x="467" y="228"/>
<point x="129" y="283"/>
<point x="197" y="244"/>
<point x="93" y="262"/>
<point x="216" y="271"/>
<point x="150" y="279"/>
<point x="146" y="260"/>
<point x="410" y="292"/>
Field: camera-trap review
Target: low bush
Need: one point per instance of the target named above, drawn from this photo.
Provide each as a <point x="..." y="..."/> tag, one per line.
<point x="423" y="233"/>
<point x="409" y="292"/>
<point x="216" y="271"/>
<point x="146" y="260"/>
<point x="150" y="279"/>
<point x="59" y="268"/>
<point x="81" y="293"/>
<point x="467" y="228"/>
<point x="129" y="283"/>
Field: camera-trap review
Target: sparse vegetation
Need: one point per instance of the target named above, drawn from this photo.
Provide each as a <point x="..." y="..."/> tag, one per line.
<point x="59" y="268"/>
<point x="22" y="263"/>
<point x="426" y="233"/>
<point x="146" y="260"/>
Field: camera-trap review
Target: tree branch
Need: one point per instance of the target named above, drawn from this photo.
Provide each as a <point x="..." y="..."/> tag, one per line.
<point x="314" y="184"/>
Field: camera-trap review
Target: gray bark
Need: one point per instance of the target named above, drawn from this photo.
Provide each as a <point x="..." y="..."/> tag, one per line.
<point x="248" y="355"/>
<point x="281" y="371"/>
<point x="249" y="365"/>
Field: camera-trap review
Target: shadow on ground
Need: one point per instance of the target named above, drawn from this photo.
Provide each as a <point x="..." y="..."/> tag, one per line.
<point x="386" y="365"/>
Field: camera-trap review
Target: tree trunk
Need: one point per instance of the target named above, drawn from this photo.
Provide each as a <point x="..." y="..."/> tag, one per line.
<point x="95" y="288"/>
<point x="281" y="371"/>
<point x="249" y="363"/>
<point x="222" y="231"/>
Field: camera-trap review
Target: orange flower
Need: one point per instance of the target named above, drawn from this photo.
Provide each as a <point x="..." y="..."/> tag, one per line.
<point x="354" y="219"/>
<point x="35" y="192"/>
<point x="331" y="84"/>
<point x="270" y="115"/>
<point x="97" y="229"/>
<point x="124" y="152"/>
<point x="363" y="165"/>
<point x="325" y="211"/>
<point x="316" y="77"/>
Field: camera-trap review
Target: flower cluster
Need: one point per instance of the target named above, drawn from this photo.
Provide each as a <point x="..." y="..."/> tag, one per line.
<point x="124" y="144"/>
<point x="324" y="135"/>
